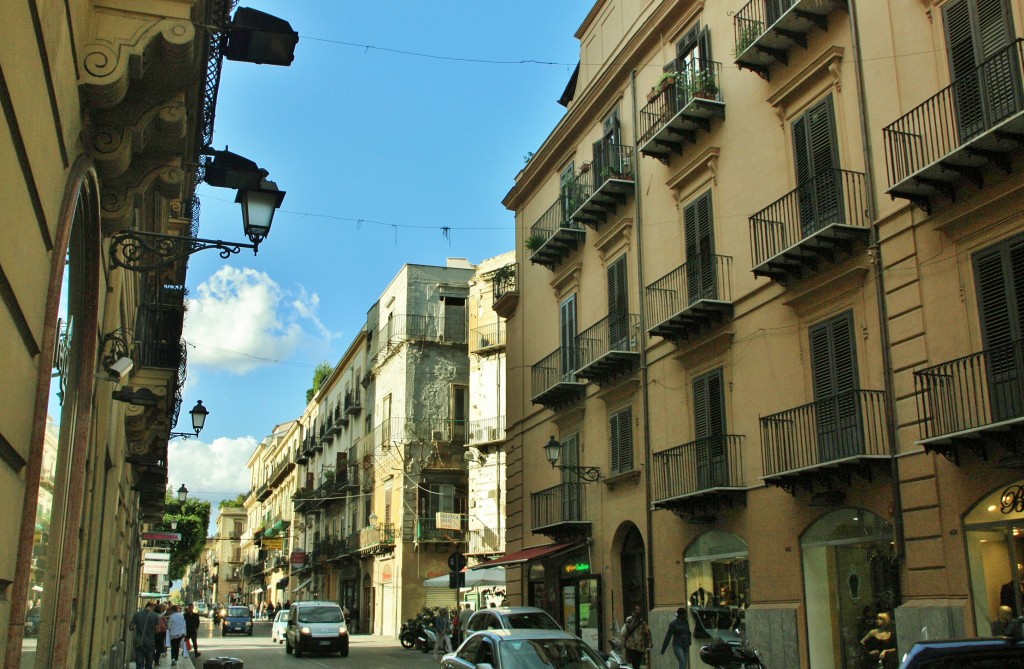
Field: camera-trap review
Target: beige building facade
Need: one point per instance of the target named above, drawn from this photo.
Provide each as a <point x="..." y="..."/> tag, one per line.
<point x="767" y="296"/>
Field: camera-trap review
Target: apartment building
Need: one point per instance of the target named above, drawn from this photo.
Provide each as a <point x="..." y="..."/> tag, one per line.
<point x="227" y="573"/>
<point x="763" y="337"/>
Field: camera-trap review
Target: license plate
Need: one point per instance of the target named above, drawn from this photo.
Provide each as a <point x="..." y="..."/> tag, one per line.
<point x="325" y="643"/>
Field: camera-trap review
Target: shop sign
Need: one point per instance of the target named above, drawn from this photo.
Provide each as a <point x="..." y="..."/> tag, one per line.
<point x="273" y="544"/>
<point x="156" y="567"/>
<point x="298" y="557"/>
<point x="161" y="536"/>
<point x="153" y="555"/>
<point x="448" y="521"/>
<point x="577" y="568"/>
<point x="385" y="573"/>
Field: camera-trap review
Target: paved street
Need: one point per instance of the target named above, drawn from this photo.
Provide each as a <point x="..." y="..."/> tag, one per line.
<point x="258" y="652"/>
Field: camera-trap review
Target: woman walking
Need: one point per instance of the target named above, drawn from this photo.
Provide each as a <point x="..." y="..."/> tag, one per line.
<point x="678" y="633"/>
<point x="636" y="637"/>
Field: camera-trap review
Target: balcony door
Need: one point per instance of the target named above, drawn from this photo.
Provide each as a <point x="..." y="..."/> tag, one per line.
<point x="709" y="426"/>
<point x="982" y="64"/>
<point x="569" y="194"/>
<point x="571" y="500"/>
<point x="607" y="150"/>
<point x="999" y="276"/>
<point x="698" y="232"/>
<point x="618" y="306"/>
<point x="568" y="339"/>
<point x="816" y="156"/>
<point x="834" y="375"/>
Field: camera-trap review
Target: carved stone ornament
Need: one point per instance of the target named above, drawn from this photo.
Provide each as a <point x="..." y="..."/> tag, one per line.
<point x="122" y="196"/>
<point x="118" y="139"/>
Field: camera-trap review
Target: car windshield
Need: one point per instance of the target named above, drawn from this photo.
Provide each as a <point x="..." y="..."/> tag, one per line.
<point x="547" y="654"/>
<point x="281" y="616"/>
<point x="238" y="611"/>
<point x="320" y="614"/>
<point x="532" y="621"/>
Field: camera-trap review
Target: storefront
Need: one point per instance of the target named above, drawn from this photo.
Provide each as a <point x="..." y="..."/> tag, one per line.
<point x="994" y="531"/>
<point x="718" y="587"/>
<point x="580" y="600"/>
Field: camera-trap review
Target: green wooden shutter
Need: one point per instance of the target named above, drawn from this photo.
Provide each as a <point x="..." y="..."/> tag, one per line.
<point x="570" y="482"/>
<point x="709" y="429"/>
<point x="618" y="306"/>
<point x="698" y="231"/>
<point x="568" y="189"/>
<point x="620" y="430"/>
<point x="834" y="377"/>
<point x="817" y="162"/>
<point x="568" y="339"/>
<point x="999" y="279"/>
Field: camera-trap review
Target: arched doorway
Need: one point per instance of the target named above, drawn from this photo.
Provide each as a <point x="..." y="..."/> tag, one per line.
<point x="717" y="588"/>
<point x="849" y="577"/>
<point x="633" y="569"/>
<point x="994" y="531"/>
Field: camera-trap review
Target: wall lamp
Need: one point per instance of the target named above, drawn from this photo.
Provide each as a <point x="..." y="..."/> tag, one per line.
<point x="256" y="37"/>
<point x="553" y="450"/>
<point x="144" y="251"/>
<point x="199" y="414"/>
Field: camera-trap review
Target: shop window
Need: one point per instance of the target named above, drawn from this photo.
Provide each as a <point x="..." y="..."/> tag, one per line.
<point x="718" y="586"/>
<point x="995" y="554"/>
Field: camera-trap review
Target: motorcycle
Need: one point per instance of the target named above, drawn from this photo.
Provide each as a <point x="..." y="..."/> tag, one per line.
<point x="424" y="637"/>
<point x="724" y="655"/>
<point x="407" y="636"/>
<point x="614" y="659"/>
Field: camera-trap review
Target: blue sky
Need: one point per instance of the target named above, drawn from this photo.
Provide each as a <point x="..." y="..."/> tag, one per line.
<point x="378" y="151"/>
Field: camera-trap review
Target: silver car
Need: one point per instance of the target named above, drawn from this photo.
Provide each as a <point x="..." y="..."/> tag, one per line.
<point x="511" y="618"/>
<point x="523" y="649"/>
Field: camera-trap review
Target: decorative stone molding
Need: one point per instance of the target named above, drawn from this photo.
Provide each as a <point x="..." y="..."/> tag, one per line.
<point x="823" y="72"/>
<point x="707" y="349"/>
<point x="121" y="197"/>
<point x="702" y="169"/>
<point x="567" y="279"/>
<point x="620" y="394"/>
<point x="114" y="143"/>
<point x="822" y="296"/>
<point x="615" y="238"/>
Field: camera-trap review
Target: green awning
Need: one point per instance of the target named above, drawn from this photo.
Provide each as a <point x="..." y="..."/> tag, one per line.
<point x="277" y="527"/>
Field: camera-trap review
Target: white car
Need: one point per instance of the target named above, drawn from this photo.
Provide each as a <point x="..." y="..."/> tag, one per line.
<point x="280" y="625"/>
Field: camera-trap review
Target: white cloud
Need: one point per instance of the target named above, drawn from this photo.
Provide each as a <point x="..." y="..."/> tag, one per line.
<point x="241" y="319"/>
<point x="211" y="472"/>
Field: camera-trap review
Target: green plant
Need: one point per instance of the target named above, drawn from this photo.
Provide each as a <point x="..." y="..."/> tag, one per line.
<point x="749" y="31"/>
<point x="702" y="82"/>
<point x="535" y="241"/>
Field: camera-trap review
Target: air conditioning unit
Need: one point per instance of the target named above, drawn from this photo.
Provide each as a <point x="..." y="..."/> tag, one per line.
<point x="437" y="435"/>
<point x="479" y="434"/>
<point x="492" y="434"/>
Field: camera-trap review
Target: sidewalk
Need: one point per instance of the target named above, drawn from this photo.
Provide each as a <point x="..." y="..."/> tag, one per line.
<point x="165" y="661"/>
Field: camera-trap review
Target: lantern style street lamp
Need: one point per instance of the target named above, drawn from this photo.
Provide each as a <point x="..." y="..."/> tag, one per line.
<point x="553" y="451"/>
<point x="198" y="414"/>
<point x="182" y="493"/>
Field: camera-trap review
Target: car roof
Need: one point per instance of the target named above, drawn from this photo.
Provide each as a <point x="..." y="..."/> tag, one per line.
<point x="505" y="610"/>
<point x="530" y="634"/>
<point x="925" y="651"/>
<point x="314" y="602"/>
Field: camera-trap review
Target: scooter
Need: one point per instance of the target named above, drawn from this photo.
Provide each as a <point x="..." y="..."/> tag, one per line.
<point x="425" y="637"/>
<point x="615" y="659"/>
<point x="407" y="636"/>
<point x="723" y="655"/>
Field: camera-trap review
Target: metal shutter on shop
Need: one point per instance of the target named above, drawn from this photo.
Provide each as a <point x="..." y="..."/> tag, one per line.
<point x="439" y="597"/>
<point x="387" y="608"/>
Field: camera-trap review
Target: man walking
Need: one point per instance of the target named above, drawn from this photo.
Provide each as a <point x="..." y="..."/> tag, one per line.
<point x="192" y="629"/>
<point x="144" y="624"/>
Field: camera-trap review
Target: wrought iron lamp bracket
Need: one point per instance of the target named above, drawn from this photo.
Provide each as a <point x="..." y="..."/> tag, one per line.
<point x="588" y="474"/>
<point x="144" y="251"/>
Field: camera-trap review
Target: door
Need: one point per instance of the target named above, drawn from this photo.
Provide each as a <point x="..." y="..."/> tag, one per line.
<point x="834" y="375"/>
<point x="570" y="356"/>
<point x="460" y="414"/>
<point x="999" y="277"/>
<point x="454" y="319"/>
<point x="569" y="190"/>
<point x="986" y="84"/>
<point x="698" y="233"/>
<point x="693" y="59"/>
<point x="608" y="159"/>
<point x="709" y="424"/>
<point x="817" y="168"/>
<point x="618" y="309"/>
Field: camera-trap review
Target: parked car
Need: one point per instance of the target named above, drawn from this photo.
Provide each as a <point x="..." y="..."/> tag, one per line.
<point x="985" y="653"/>
<point x="277" y="631"/>
<point x="202" y="609"/>
<point x="511" y="617"/>
<point x="237" y="619"/>
<point x="523" y="649"/>
<point x="316" y="627"/>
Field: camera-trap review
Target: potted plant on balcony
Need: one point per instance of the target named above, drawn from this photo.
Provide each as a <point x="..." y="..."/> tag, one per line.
<point x="748" y="33"/>
<point x="667" y="79"/>
<point x="535" y="241"/>
<point x="702" y="84"/>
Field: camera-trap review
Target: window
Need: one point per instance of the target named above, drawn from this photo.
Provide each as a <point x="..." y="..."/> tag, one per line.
<point x="454" y="318"/>
<point x="569" y="191"/>
<point x="834" y="377"/>
<point x="699" y="237"/>
<point x="459" y="413"/>
<point x="385" y="425"/>
<point x="620" y="431"/>
<point x="983" y="70"/>
<point x="709" y="426"/>
<point x="618" y="306"/>
<point x="817" y="165"/>
<point x="571" y="503"/>
<point x="567" y="339"/>
<point x="608" y="158"/>
<point x="999" y="281"/>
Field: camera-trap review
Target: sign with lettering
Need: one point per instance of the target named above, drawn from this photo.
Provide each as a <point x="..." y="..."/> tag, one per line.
<point x="298" y="557"/>
<point x="448" y="521"/>
<point x="156" y="567"/>
<point x="577" y="568"/>
<point x="273" y="544"/>
<point x="161" y="536"/>
<point x="152" y="555"/>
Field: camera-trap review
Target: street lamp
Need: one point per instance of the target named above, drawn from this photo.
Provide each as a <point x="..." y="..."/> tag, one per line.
<point x="373" y="519"/>
<point x="553" y="450"/>
<point x="198" y="413"/>
<point x="182" y="493"/>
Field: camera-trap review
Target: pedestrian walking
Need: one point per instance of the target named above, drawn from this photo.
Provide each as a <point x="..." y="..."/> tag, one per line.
<point x="353" y="623"/>
<point x="636" y="637"/>
<point x="176" y="629"/>
<point x="160" y="635"/>
<point x="144" y="624"/>
<point x="192" y="629"/>
<point x="678" y="633"/>
<point x="442" y="632"/>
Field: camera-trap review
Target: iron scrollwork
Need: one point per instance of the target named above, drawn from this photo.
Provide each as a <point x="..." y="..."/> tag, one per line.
<point x="61" y="356"/>
<point x="1012" y="500"/>
<point x="144" y="251"/>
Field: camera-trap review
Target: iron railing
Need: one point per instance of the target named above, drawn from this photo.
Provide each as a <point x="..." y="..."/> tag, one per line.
<point x="703" y="277"/>
<point x="969" y="107"/>
<point x="451" y="329"/>
<point x="696" y="79"/>
<point x="557" y="367"/>
<point x="834" y="197"/>
<point x="427" y="530"/>
<point x="353" y="403"/>
<point x="375" y="536"/>
<point x="483" y="430"/>
<point x="754" y="19"/>
<point x="611" y="161"/>
<point x="556" y="218"/>
<point x="487" y="336"/>
<point x="838" y="427"/>
<point x="613" y="333"/>
<point x="702" y="464"/>
<point x="504" y="281"/>
<point x="971" y="392"/>
<point x="563" y="503"/>
<point x="398" y="430"/>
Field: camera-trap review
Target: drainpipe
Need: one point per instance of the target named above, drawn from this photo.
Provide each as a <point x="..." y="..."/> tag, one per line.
<point x="645" y="410"/>
<point x="875" y="253"/>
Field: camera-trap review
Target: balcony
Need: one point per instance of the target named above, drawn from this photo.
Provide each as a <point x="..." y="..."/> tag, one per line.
<point x="486" y="431"/>
<point x="282" y="469"/>
<point x="353" y="403"/>
<point x="607" y="184"/>
<point x="301" y="456"/>
<point x="609" y="348"/>
<point x="954" y="136"/>
<point x="263" y="492"/>
<point x="974" y="402"/>
<point x="326" y="434"/>
<point x="700" y="476"/>
<point x="553" y="380"/>
<point x="555" y="235"/>
<point x="402" y="329"/>
<point x="487" y="339"/>
<point x="505" y="290"/>
<point x="682" y="108"/>
<point x="338" y="420"/>
<point x="822" y="220"/>
<point x="766" y="31"/>
<point x="375" y="539"/>
<point x="427" y="531"/>
<point x="314" y="445"/>
<point x="824" y="442"/>
<point x="691" y="299"/>
<point x="557" y="512"/>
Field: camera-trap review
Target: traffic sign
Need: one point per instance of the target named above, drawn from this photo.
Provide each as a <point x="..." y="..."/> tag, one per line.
<point x="456" y="562"/>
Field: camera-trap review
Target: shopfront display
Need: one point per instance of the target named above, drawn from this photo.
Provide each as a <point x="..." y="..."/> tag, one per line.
<point x="994" y="531"/>
<point x="717" y="587"/>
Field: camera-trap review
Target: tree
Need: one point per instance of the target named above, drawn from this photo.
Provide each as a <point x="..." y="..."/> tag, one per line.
<point x="320" y="374"/>
<point x="236" y="503"/>
<point x="192" y="518"/>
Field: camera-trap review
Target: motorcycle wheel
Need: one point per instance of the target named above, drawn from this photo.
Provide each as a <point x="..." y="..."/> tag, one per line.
<point x="425" y="647"/>
<point x="407" y="641"/>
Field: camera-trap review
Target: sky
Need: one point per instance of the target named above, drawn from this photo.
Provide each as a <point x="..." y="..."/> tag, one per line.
<point x="395" y="134"/>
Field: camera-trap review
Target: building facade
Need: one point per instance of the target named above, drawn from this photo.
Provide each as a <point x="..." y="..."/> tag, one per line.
<point x="765" y="315"/>
<point x="228" y="577"/>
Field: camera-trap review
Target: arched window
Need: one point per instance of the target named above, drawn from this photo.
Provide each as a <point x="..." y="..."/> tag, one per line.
<point x="994" y="529"/>
<point x="717" y="586"/>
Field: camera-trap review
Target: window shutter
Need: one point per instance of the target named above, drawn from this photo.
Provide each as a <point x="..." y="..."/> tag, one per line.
<point x="833" y="357"/>
<point x="999" y="275"/>
<point x="817" y="159"/>
<point x="570" y="456"/>
<point x="620" y="430"/>
<point x="568" y="338"/>
<point x="618" y="306"/>
<point x="700" y="249"/>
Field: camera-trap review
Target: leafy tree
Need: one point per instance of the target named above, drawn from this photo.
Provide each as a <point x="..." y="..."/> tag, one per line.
<point x="192" y="517"/>
<point x="236" y="503"/>
<point x="320" y="374"/>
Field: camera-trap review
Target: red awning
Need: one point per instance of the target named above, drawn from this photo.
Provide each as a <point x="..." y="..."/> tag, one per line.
<point x="528" y="555"/>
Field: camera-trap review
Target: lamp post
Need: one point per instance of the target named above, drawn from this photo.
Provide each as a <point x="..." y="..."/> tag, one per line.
<point x="553" y="450"/>
<point x="182" y="493"/>
<point x="198" y="414"/>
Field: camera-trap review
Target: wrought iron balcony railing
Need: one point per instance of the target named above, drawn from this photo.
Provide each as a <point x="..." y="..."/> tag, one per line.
<point x="766" y="30"/>
<point x="608" y="347"/>
<point x="401" y="328"/>
<point x="683" y="107"/>
<point x="555" y="235"/>
<point x="353" y="402"/>
<point x="428" y="531"/>
<point x="971" y="393"/>
<point x="818" y="220"/>
<point x="488" y="337"/>
<point x="376" y="538"/>
<point x="951" y="136"/>
<point x="607" y="183"/>
<point x="553" y="380"/>
<point x="505" y="289"/>
<point x="560" y="507"/>
<point x="485" y="430"/>
<point x="699" y="466"/>
<point x="845" y="426"/>
<point x="690" y="298"/>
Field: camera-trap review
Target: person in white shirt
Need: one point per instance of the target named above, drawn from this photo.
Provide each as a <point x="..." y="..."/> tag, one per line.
<point x="175" y="630"/>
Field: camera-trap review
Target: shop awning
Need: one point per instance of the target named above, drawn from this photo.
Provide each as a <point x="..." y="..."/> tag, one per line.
<point x="528" y="555"/>
<point x="275" y="528"/>
<point x="474" y="578"/>
<point x="257" y="591"/>
<point x="302" y="585"/>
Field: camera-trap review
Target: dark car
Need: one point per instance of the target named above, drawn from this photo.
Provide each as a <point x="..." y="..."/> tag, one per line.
<point x="994" y="653"/>
<point x="237" y="619"/>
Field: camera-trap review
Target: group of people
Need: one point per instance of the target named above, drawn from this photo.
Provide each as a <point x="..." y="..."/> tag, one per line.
<point x="159" y="625"/>
<point x="266" y="610"/>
